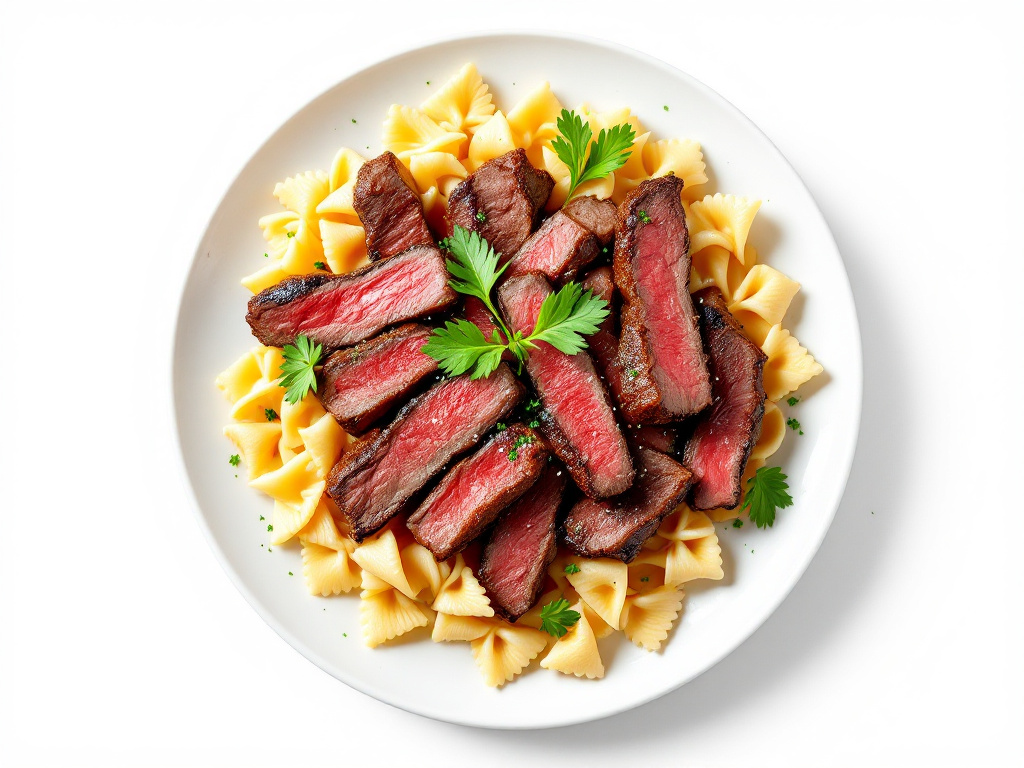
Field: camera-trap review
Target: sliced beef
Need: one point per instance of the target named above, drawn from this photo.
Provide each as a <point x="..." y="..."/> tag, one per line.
<point x="598" y="216"/>
<point x="577" y="418"/>
<point x="665" y="376"/>
<point x="373" y="482"/>
<point x="657" y="437"/>
<point x="340" y="310"/>
<point x="558" y="250"/>
<point x="618" y="527"/>
<point x="501" y="200"/>
<point x="521" y="546"/>
<point x="604" y="345"/>
<point x="360" y="384"/>
<point x="389" y="207"/>
<point x="480" y="316"/>
<point x="724" y="435"/>
<point x="475" y="491"/>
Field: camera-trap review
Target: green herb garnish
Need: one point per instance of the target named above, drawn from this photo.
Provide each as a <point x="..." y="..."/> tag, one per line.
<point x="534" y="424"/>
<point x="645" y="579"/>
<point x="518" y="443"/>
<point x="767" y="491"/>
<point x="571" y="568"/>
<point x="291" y="235"/>
<point x="297" y="373"/>
<point x="270" y="413"/>
<point x="564" y="319"/>
<point x="501" y="426"/>
<point x="320" y="265"/>
<point x="585" y="162"/>
<point x="556" y="619"/>
<point x="270" y="527"/>
<point x="644" y="218"/>
<point x="794" y="425"/>
<point x="235" y="458"/>
<point x="532" y="404"/>
<point x="633" y="373"/>
<point x="737" y="523"/>
<point x="481" y="216"/>
<point x="792" y="401"/>
<point x="513" y="455"/>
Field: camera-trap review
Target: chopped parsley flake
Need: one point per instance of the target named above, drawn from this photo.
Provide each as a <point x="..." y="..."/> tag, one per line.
<point x="501" y="426"/>
<point x="266" y="255"/>
<point x="513" y="455"/>
<point x="572" y="568"/>
<point x="793" y="400"/>
<point x="353" y="121"/>
<point x="533" y="405"/>
<point x="320" y="265"/>
<point x="481" y="216"/>
<point x="534" y="424"/>
<point x="523" y="440"/>
<point x="633" y="373"/>
<point x="290" y="573"/>
<point x="344" y="634"/>
<point x="270" y="413"/>
<point x="737" y="523"/>
<point x="262" y="518"/>
<point x="665" y="107"/>
<point x="270" y="527"/>
<point x="291" y="234"/>
<point x="794" y="425"/>
<point x="235" y="458"/>
<point x="645" y="579"/>
<point x="644" y="218"/>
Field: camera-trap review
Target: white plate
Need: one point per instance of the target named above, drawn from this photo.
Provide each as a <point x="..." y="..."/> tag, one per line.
<point x="441" y="680"/>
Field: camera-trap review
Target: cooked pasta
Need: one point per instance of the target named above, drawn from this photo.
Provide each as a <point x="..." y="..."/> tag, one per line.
<point x="288" y="449"/>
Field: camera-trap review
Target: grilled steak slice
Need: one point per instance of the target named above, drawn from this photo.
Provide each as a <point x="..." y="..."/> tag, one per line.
<point x="389" y="207"/>
<point x="665" y="374"/>
<point x="604" y="345"/>
<point x="598" y="216"/>
<point x="657" y="437"/>
<point x="362" y="383"/>
<point x="521" y="546"/>
<point x="559" y="249"/>
<point x="373" y="482"/>
<point x="577" y="419"/>
<point x="501" y="201"/>
<point x="618" y="527"/>
<point x="477" y="489"/>
<point x="724" y="435"/>
<point x="339" y="310"/>
<point x="479" y="316"/>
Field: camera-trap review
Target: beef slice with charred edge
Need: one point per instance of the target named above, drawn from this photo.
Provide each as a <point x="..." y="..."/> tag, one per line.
<point x="360" y="384"/>
<point x="373" y="482"/>
<point x="724" y="435"/>
<point x="476" y="490"/>
<point x="341" y="310"/>
<point x="521" y="546"/>
<point x="598" y="216"/>
<point x="389" y="207"/>
<point x="558" y="250"/>
<point x="501" y="200"/>
<point x="658" y="437"/>
<point x="618" y="527"/>
<point x="604" y="345"/>
<point x="577" y="419"/>
<point x="665" y="376"/>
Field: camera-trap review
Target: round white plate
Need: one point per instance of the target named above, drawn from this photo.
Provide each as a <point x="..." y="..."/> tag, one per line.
<point x="441" y="680"/>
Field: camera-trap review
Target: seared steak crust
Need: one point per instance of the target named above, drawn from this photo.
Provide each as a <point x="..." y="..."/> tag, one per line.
<point x="618" y="527"/>
<point x="598" y="216"/>
<point x="373" y="482"/>
<point x="501" y="200"/>
<point x="389" y="208"/>
<point x="360" y="384"/>
<point x="665" y="375"/>
<point x="558" y="250"/>
<point x="724" y="435"/>
<point x="521" y="546"/>
<point x="472" y="494"/>
<point x="604" y="345"/>
<point x="340" y="310"/>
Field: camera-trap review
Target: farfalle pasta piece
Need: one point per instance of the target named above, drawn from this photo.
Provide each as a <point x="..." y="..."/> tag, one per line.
<point x="773" y="432"/>
<point x="648" y="616"/>
<point x="278" y="229"/>
<point x="492" y="139"/>
<point x="302" y="193"/>
<point x="789" y="364"/>
<point x="600" y="627"/>
<point x="385" y="613"/>
<point x="270" y="274"/>
<point x="344" y="246"/>
<point x="380" y="556"/>
<point x="532" y="617"/>
<point x="448" y="629"/>
<point x="461" y="594"/>
<point x="323" y="530"/>
<point x="269" y="360"/>
<point x="253" y="406"/>
<point x="258" y="445"/>
<point x="237" y="379"/>
<point x="761" y="301"/>
<point x="304" y="250"/>
<point x="628" y="177"/>
<point x="408" y="131"/>
<point x="722" y="220"/>
<point x="342" y="182"/>
<point x="436" y="169"/>
<point x="505" y="651"/>
<point x="692" y="552"/>
<point x="296" y="488"/>
<point x="324" y="441"/>
<point x="681" y="157"/>
<point x="462" y="104"/>
<point x="601" y="584"/>
<point x="532" y="120"/>
<point x="714" y="265"/>
<point x="329" y="571"/>
<point x="424" y="574"/>
<point x="576" y="652"/>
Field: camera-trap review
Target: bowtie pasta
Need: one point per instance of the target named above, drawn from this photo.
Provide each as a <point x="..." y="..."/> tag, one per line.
<point x="288" y="449"/>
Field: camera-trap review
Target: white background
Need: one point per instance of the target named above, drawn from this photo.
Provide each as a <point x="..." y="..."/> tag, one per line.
<point x="123" y="643"/>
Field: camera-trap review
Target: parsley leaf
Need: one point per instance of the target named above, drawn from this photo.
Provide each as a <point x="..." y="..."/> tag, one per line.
<point x="473" y="265"/>
<point x="566" y="317"/>
<point x="233" y="461"/>
<point x="767" y="491"/>
<point x="297" y="373"/>
<point x="571" y="568"/>
<point x="585" y="162"/>
<point x="556" y="619"/>
<point x="461" y="346"/>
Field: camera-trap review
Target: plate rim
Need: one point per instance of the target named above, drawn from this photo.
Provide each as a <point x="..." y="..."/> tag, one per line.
<point x="747" y="629"/>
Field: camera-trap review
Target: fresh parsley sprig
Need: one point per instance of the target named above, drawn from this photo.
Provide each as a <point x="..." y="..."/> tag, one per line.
<point x="565" y="317"/>
<point x="767" y="491"/>
<point x="556" y="619"/>
<point x="297" y="373"/>
<point x="609" y="153"/>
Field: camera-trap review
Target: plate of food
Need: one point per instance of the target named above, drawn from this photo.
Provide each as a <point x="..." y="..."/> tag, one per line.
<point x="488" y="385"/>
